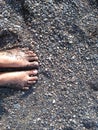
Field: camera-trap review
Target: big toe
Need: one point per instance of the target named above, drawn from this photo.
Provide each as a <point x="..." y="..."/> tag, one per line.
<point x="33" y="72"/>
<point x="34" y="64"/>
<point x="32" y="58"/>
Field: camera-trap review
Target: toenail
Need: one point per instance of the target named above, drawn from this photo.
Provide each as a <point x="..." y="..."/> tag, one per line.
<point x="36" y="78"/>
<point x="35" y="71"/>
<point x="36" y="57"/>
<point x="34" y="54"/>
<point x="36" y="63"/>
<point x="34" y="81"/>
<point x="25" y="88"/>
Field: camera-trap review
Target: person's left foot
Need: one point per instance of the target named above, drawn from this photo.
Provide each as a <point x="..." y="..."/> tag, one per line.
<point x="21" y="79"/>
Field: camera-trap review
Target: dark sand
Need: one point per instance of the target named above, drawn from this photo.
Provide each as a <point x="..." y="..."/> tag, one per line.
<point x="65" y="35"/>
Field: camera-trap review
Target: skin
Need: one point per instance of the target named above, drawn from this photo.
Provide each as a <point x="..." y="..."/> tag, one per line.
<point x="16" y="58"/>
<point x="20" y="80"/>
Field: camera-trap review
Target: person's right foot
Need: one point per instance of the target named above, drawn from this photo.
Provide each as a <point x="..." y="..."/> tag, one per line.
<point x="19" y="57"/>
<point x="19" y="80"/>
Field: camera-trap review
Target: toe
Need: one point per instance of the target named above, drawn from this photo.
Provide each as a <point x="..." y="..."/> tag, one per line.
<point x="30" y="53"/>
<point x="34" y="64"/>
<point x="34" y="78"/>
<point x="33" y="72"/>
<point x="31" y="82"/>
<point x="25" y="88"/>
<point x="33" y="58"/>
<point x="25" y="49"/>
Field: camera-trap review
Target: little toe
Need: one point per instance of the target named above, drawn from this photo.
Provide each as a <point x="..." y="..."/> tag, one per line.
<point x="25" y="88"/>
<point x="30" y="52"/>
<point x="25" y="49"/>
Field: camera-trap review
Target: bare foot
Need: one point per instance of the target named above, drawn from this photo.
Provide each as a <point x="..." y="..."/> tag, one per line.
<point x="18" y="58"/>
<point x="21" y="79"/>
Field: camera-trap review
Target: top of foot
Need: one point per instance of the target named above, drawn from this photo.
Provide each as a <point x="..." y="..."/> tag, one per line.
<point x="18" y="57"/>
<point x="19" y="79"/>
